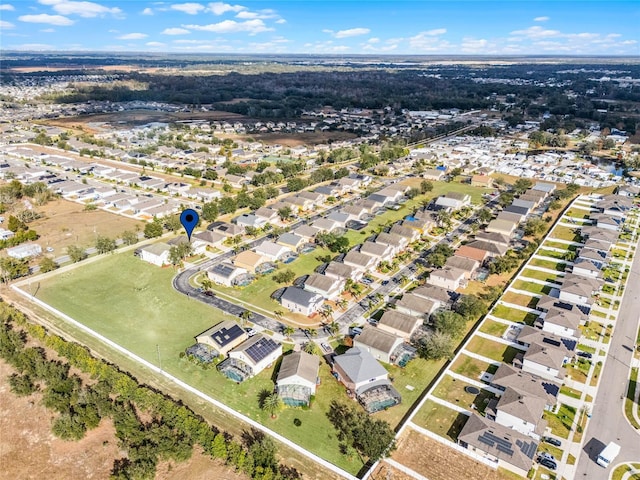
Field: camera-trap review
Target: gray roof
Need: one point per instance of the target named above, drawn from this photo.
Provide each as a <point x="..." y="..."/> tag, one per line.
<point x="290" y="239"/>
<point x="298" y="296"/>
<point x="523" y="406"/>
<point x="462" y="263"/>
<point x="544" y="187"/>
<point x="224" y="270"/>
<point x="319" y="281"/>
<point x="508" y="376"/>
<point x="359" y="365"/>
<point x="493" y="237"/>
<point x="377" y="338"/>
<point x="224" y="333"/>
<point x="338" y="217"/>
<point x="258" y="347"/>
<point x="417" y="304"/>
<point x="399" y="321"/>
<point x="156" y="248"/>
<point x="339" y="270"/>
<point x="493" y="248"/>
<point x="299" y="364"/>
<point x="433" y="292"/>
<point x="374" y="249"/>
<point x="516" y="209"/>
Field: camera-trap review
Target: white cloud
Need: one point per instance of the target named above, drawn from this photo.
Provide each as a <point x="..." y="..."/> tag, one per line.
<point x="190" y="8"/>
<point x="231" y="26"/>
<point x="281" y="20"/>
<point x="4" y="24"/>
<point x="541" y="19"/>
<point x="536" y="32"/>
<point x="82" y="9"/>
<point x="147" y="11"/>
<point x="7" y="7"/>
<point x="133" y="36"/>
<point x="435" y="32"/>
<point x="218" y="8"/>
<point x="264" y="14"/>
<point x="175" y="31"/>
<point x="430" y="41"/>
<point x="351" y="32"/>
<point x="155" y="44"/>
<point x="46" y="18"/>
<point x="475" y="46"/>
<point x="48" y="30"/>
<point x="373" y="40"/>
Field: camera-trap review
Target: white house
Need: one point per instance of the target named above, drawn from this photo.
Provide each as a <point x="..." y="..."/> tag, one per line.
<point x="447" y="277"/>
<point x="301" y="301"/>
<point x="297" y="378"/>
<point x="157" y="253"/>
<point x="257" y="353"/>
<point x="271" y="250"/>
<point x="330" y="288"/>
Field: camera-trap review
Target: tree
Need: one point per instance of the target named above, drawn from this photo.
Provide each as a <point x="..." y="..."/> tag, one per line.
<point x="246" y="316"/>
<point x="210" y="211"/>
<point x="284" y="276"/>
<point x="534" y="226"/>
<point x="105" y="244"/>
<point x="272" y="404"/>
<point x="522" y="185"/>
<point x="449" y="322"/>
<point x="288" y="331"/>
<point x="470" y="307"/>
<point x="435" y="346"/>
<point x="484" y="215"/>
<point x="153" y="229"/>
<point x="426" y="186"/>
<point x="172" y="223"/>
<point x="47" y="264"/>
<point x="296" y="184"/>
<point x="206" y="284"/>
<point x="444" y="219"/>
<point x="12" y="268"/>
<point x="14" y="224"/>
<point x="76" y="253"/>
<point x="312" y="348"/>
<point x="413" y="192"/>
<point x="285" y="213"/>
<point x="179" y="252"/>
<point x="342" y="303"/>
<point x="326" y="311"/>
<point x="334" y="328"/>
<point x="129" y="237"/>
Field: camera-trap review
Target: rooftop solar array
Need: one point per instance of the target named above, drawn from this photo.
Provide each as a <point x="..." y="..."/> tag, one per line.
<point x="262" y="349"/>
<point x="528" y="448"/>
<point x="226" y="335"/>
<point x="503" y="445"/>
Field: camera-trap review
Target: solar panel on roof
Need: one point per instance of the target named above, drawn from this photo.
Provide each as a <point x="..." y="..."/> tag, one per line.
<point x="503" y="449"/>
<point x="528" y="448"/>
<point x="262" y="349"/>
<point x="551" y="341"/>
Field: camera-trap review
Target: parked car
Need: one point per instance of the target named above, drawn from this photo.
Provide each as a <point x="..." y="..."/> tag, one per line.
<point x="547" y="456"/>
<point x="250" y="332"/>
<point x="585" y="355"/>
<point x="209" y="293"/>
<point x="552" y="441"/>
<point x="326" y="347"/>
<point x="545" y="462"/>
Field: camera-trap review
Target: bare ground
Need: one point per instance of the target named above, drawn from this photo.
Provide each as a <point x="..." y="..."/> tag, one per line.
<point x="439" y="462"/>
<point x="28" y="449"/>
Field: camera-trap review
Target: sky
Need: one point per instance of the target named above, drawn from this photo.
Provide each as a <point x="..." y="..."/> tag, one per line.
<point x="415" y="27"/>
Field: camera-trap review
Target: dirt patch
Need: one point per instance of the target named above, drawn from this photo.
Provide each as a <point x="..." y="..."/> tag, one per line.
<point x="385" y="471"/>
<point x="66" y="223"/>
<point x="28" y="449"/>
<point x="437" y="461"/>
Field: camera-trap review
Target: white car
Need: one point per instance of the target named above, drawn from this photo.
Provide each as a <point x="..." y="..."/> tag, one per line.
<point x="250" y="332"/>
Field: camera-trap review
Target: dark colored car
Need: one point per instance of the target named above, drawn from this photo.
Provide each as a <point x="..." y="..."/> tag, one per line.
<point x="551" y="465"/>
<point x="584" y="355"/>
<point x="552" y="441"/>
<point x="209" y="293"/>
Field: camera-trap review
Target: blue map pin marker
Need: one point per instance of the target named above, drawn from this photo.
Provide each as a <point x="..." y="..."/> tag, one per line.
<point x="189" y="219"/>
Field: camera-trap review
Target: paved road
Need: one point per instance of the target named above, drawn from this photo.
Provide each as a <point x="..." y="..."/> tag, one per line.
<point x="608" y="422"/>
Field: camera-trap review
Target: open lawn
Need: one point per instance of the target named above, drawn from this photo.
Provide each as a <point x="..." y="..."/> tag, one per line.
<point x="620" y="471"/>
<point x="140" y="311"/>
<point x="471" y="367"/>
<point x="440" y="188"/>
<point x="563" y="246"/>
<point x="550" y="253"/>
<point x="558" y="266"/>
<point x="440" y="420"/>
<point x="535" y="288"/>
<point x="453" y="391"/>
<point x="493" y="350"/>
<point x="560" y="423"/>
<point x="494" y="328"/>
<point x="565" y="233"/>
<point x="514" y="314"/>
<point x="520" y="299"/>
<point x="540" y="275"/>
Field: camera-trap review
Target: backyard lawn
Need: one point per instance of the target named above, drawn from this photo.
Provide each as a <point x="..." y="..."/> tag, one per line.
<point x="514" y="314"/>
<point x="494" y="328"/>
<point x="440" y="420"/>
<point x="540" y="275"/>
<point x="471" y="367"/>
<point x="520" y="299"/>
<point x="453" y="391"/>
<point x="535" y="288"/>
<point x="551" y="265"/>
<point x="493" y="350"/>
<point x="560" y="423"/>
<point x="565" y="233"/>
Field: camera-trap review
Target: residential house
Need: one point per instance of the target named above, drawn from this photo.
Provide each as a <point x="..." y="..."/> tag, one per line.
<point x="507" y="376"/>
<point x="547" y="188"/>
<point x="475" y="254"/>
<point x="519" y="411"/>
<point x="467" y="265"/>
<point x="300" y="203"/>
<point x="454" y="200"/>
<point x="433" y="174"/>
<point x="397" y="242"/>
<point x="494" y="237"/>
<point x="315" y="198"/>
<point x="301" y="301"/>
<point x="223" y="337"/>
<point x="599" y="246"/>
<point x="156" y="253"/>
<point x="578" y="290"/>
<point x="225" y="273"/>
<point x="482" y="181"/>
<point x="433" y="292"/>
<point x="329" y="287"/>
<point x="360" y="260"/>
<point x="256" y="353"/>
<point x="291" y="241"/>
<point x="615" y="205"/>
<point x="629" y="191"/>
<point x="378" y="342"/>
<point x="339" y="270"/>
<point x="447" y="277"/>
<point x="523" y="203"/>
<point x="355" y="212"/>
<point x="248" y="260"/>
<point x="417" y="306"/>
<point x="522" y="211"/>
<point x="6" y="234"/>
<point x="595" y="233"/>
<point x="359" y="372"/>
<point x="325" y="224"/>
<point x="562" y="321"/>
<point x="271" y="250"/>
<point x="249" y="220"/>
<point x="512" y="217"/>
<point x="608" y="222"/>
<point x="212" y="239"/>
<point x="502" y="227"/>
<point x="533" y="199"/>
<point x="269" y="215"/>
<point x="508" y="448"/>
<point x="398" y="324"/>
<point x="381" y="252"/>
<point x="226" y="229"/>
<point x="297" y="378"/>
<point x="493" y="249"/>
<point x="411" y="234"/>
<point x="543" y="360"/>
<point x="339" y="218"/>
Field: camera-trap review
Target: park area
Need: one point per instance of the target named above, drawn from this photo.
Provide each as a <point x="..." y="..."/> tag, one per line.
<point x="133" y="304"/>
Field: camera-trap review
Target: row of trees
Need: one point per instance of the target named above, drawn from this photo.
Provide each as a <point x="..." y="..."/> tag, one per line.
<point x="168" y="431"/>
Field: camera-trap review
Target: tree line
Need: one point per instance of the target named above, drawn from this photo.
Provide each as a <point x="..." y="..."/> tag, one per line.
<point x="169" y="431"/>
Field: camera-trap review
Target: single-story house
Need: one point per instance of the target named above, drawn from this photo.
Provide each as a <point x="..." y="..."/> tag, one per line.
<point x="482" y="181"/>
<point x="512" y="217"/>
<point x="301" y="301"/>
<point x="249" y="220"/>
<point x="522" y="211"/>
<point x="476" y="254"/>
<point x="256" y="353"/>
<point x="223" y="337"/>
<point x="521" y="202"/>
<point x="271" y="250"/>
<point x="325" y="224"/>
<point x="329" y="287"/>
<point x="226" y="229"/>
<point x="432" y="292"/>
<point x="433" y="174"/>
<point x="156" y="253"/>
<point x="224" y="273"/>
<point x="297" y="378"/>
<point x="291" y="241"/>
<point x="339" y="218"/>
<point x="454" y="200"/>
<point x="248" y="260"/>
<point x="411" y="234"/>
<point x="396" y="241"/>
<point x="547" y="188"/>
<point x="269" y="215"/>
<point x="398" y="324"/>
<point x="212" y="239"/>
<point x="307" y="232"/>
<point x="494" y="237"/>
<point x="493" y="249"/>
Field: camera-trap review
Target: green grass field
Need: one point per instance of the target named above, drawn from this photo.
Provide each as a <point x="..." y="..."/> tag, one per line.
<point x="138" y="309"/>
<point x="540" y="275"/>
<point x="453" y="391"/>
<point x="535" y="288"/>
<point x="440" y="420"/>
<point x="493" y="350"/>
<point x="494" y="328"/>
<point x="514" y="314"/>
